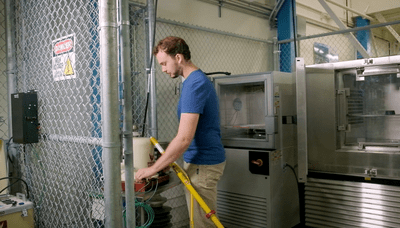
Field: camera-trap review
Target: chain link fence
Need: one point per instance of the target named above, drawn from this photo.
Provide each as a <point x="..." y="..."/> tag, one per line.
<point x="57" y="55"/>
<point x="64" y="170"/>
<point x="337" y="47"/>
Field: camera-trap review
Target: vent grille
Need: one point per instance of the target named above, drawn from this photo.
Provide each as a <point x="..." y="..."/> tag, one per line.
<point x="332" y="203"/>
<point x="237" y="210"/>
<point x="355" y="104"/>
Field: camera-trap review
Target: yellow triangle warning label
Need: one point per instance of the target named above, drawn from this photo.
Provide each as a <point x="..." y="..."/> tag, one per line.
<point x="68" y="68"/>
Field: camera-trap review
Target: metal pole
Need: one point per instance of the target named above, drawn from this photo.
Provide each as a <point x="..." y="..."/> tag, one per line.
<point x="127" y="114"/>
<point x="11" y="82"/>
<point x="110" y="115"/>
<point x="11" y="60"/>
<point x="152" y="77"/>
<point x="73" y="139"/>
<point x="276" y="54"/>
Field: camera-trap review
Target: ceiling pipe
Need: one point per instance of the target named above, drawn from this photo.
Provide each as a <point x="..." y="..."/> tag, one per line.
<point x="275" y="11"/>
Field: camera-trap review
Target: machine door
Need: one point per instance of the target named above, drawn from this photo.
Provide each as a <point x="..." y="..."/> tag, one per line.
<point x="315" y="95"/>
<point x="368" y="110"/>
<point x="246" y="110"/>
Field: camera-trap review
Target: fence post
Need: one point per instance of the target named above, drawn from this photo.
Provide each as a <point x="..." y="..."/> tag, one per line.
<point x="11" y="84"/>
<point x="276" y="55"/>
<point x="11" y="60"/>
<point x="127" y="113"/>
<point x="110" y="106"/>
<point x="153" y="129"/>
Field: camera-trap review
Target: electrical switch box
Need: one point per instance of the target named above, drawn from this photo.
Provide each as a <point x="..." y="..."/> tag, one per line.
<point x="25" y="123"/>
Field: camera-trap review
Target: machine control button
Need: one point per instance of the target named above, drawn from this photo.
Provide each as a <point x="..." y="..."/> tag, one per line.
<point x="258" y="162"/>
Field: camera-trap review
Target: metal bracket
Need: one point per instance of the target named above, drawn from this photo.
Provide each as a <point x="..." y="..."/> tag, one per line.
<point x="341" y="128"/>
<point x="361" y="146"/>
<point x="359" y="73"/>
<point x="371" y="172"/>
<point x="346" y="128"/>
<point x="345" y="91"/>
<point x="24" y="213"/>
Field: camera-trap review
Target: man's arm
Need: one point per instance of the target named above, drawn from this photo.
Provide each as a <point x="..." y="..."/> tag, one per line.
<point x="186" y="131"/>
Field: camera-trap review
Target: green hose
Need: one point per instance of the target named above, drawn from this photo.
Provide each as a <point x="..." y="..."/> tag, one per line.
<point x="147" y="209"/>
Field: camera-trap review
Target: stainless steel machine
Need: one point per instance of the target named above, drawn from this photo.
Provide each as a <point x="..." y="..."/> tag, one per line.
<point x="352" y="119"/>
<point x="349" y="139"/>
<point x="258" y="117"/>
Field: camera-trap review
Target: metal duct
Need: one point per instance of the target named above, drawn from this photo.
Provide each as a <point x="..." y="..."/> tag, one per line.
<point x="232" y="206"/>
<point x="333" y="203"/>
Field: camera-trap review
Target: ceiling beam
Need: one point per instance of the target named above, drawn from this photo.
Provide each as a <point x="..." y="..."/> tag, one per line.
<point x="353" y="40"/>
<point x="382" y="19"/>
<point x="351" y="10"/>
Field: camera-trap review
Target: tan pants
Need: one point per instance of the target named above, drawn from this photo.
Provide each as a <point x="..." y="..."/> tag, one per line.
<point x="204" y="179"/>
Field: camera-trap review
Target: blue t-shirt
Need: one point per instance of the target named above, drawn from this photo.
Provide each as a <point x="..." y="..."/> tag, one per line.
<point x="199" y="96"/>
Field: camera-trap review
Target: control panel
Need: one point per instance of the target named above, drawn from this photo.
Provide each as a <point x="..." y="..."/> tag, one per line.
<point x="25" y="125"/>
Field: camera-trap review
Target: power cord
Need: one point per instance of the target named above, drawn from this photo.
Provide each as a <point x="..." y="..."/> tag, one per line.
<point x="149" y="211"/>
<point x="147" y="208"/>
<point x="8" y="154"/>
<point x="155" y="190"/>
<point x="18" y="179"/>
<point x="294" y="172"/>
<point x="297" y="183"/>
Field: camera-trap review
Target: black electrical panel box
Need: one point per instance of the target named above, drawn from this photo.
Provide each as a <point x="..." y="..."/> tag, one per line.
<point x="25" y="125"/>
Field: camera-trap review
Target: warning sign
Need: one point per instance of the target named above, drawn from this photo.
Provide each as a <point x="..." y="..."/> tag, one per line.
<point x="64" y="58"/>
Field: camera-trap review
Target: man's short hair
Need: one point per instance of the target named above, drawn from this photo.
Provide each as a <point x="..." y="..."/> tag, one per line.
<point x="172" y="45"/>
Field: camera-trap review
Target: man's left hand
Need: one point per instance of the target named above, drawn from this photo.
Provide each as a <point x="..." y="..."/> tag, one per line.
<point x="144" y="173"/>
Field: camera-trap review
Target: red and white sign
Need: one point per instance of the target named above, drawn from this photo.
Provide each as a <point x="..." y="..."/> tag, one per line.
<point x="63" y="46"/>
<point x="63" y="62"/>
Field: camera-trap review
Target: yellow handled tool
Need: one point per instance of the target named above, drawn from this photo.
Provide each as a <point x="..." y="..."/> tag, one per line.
<point x="210" y="214"/>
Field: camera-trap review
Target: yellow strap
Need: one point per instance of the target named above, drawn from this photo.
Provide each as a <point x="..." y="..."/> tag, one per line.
<point x="191" y="211"/>
<point x="185" y="180"/>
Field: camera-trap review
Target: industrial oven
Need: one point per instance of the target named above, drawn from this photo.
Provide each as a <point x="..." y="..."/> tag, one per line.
<point x="258" y="116"/>
<point x="349" y="141"/>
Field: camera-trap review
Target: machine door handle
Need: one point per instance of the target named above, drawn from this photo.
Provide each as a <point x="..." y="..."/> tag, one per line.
<point x="257" y="162"/>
